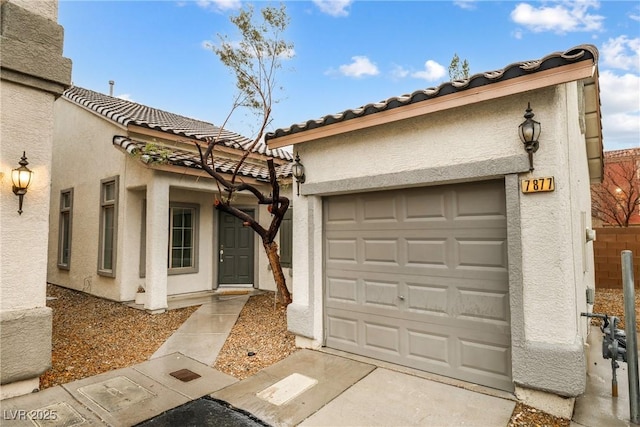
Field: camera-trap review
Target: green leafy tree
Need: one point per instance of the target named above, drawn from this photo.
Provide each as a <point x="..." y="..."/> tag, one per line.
<point x="457" y="70"/>
<point x="254" y="61"/>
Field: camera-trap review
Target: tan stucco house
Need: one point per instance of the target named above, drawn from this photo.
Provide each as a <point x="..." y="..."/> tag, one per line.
<point x="33" y="74"/>
<point x="419" y="238"/>
<point x="131" y="208"/>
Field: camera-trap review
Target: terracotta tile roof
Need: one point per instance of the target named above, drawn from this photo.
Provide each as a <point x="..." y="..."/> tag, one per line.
<point x="620" y="154"/>
<point x="190" y="159"/>
<point x="131" y="113"/>
<point x="576" y="54"/>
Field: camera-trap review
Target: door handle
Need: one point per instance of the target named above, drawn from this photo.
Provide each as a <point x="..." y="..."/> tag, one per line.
<point x="221" y="253"/>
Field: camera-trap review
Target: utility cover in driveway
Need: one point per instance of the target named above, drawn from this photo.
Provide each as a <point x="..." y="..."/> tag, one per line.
<point x="419" y="277"/>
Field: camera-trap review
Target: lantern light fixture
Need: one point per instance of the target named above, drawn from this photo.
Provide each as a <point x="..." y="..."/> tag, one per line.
<point x="297" y="169"/>
<point x="529" y="132"/>
<point x="21" y="178"/>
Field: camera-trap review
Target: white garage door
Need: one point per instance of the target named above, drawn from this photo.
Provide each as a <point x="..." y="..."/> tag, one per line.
<point x="419" y="277"/>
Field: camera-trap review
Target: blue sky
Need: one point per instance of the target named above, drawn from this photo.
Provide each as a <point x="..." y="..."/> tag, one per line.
<point x="347" y="53"/>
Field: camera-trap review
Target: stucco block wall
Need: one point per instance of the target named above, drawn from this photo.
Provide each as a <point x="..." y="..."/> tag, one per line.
<point x="33" y="74"/>
<point x="23" y="277"/>
<point x="551" y="264"/>
<point x="610" y="242"/>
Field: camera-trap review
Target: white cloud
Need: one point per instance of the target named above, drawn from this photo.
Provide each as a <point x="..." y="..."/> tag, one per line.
<point x="125" y="96"/>
<point x="219" y="5"/>
<point x="465" y="4"/>
<point x="635" y="15"/>
<point x="361" y="66"/>
<point x="334" y="7"/>
<point x="620" y="99"/>
<point x="622" y="53"/>
<point x="399" y="72"/>
<point x="562" y="18"/>
<point x="432" y="71"/>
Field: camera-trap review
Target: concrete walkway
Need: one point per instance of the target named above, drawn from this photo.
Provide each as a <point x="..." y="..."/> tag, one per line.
<point x="309" y="388"/>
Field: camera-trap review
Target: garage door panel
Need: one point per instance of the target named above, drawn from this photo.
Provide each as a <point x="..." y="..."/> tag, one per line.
<point x="342" y="289"/>
<point x="427" y="298"/>
<point x="479" y="199"/>
<point x="381" y="337"/>
<point x="419" y="277"/>
<point x="342" y="331"/>
<point x="483" y="305"/>
<point x="426" y="251"/>
<point x="428" y="347"/>
<point x="341" y="211"/>
<point x="379" y="209"/>
<point x="378" y="250"/>
<point x="384" y="294"/>
<point x="482" y="253"/>
<point x="341" y="250"/>
<point x="484" y="357"/>
<point x="426" y="207"/>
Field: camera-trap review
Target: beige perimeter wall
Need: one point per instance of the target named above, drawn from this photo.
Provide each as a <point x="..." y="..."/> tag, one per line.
<point x="610" y="242"/>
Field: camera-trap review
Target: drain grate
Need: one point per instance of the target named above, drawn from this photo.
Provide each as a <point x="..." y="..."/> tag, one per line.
<point x="184" y="375"/>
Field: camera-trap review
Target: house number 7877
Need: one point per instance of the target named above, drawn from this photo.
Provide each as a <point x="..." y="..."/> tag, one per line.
<point x="536" y="185"/>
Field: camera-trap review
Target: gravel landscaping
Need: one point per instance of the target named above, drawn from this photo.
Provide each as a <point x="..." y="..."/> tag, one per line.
<point x="258" y="339"/>
<point x="92" y="335"/>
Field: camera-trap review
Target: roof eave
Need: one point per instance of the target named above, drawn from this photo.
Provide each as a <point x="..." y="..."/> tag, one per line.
<point x="564" y="74"/>
<point x="136" y="130"/>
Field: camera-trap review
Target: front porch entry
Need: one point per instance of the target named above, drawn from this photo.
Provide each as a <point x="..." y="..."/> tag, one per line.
<point x="235" y="250"/>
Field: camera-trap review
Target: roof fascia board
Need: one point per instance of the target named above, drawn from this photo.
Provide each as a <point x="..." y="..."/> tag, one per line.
<point x="141" y="130"/>
<point x="553" y="76"/>
<point x="197" y="173"/>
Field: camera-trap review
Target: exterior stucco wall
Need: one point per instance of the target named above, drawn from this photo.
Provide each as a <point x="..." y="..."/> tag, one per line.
<point x="83" y="156"/>
<point x="27" y="94"/>
<point x="546" y="238"/>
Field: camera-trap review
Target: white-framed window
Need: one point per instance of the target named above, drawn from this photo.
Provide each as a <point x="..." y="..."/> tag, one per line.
<point x="64" y="230"/>
<point x="108" y="226"/>
<point x="183" y="238"/>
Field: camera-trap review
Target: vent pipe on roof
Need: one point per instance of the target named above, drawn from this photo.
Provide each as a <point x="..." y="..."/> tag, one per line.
<point x="111" y="83"/>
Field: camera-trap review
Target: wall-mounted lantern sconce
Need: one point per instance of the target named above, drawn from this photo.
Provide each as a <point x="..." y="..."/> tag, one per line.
<point x="298" y="172"/>
<point x="21" y="178"/>
<point x="529" y="132"/>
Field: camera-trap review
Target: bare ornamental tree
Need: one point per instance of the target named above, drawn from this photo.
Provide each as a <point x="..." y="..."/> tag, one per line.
<point x="254" y="61"/>
<point x="617" y="198"/>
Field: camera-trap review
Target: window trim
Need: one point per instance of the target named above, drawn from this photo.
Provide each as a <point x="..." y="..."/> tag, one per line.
<point x="195" y="239"/>
<point x="65" y="210"/>
<point x="142" y="266"/>
<point x="103" y="183"/>
<point x="288" y="217"/>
